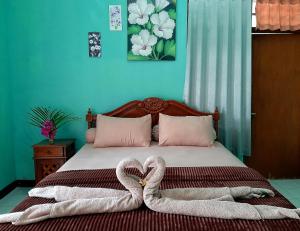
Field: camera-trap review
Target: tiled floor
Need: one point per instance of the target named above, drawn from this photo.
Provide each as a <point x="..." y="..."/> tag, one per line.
<point x="12" y="199"/>
<point x="289" y="188"/>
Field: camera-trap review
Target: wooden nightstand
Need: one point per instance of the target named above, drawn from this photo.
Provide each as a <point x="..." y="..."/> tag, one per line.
<point x="50" y="157"/>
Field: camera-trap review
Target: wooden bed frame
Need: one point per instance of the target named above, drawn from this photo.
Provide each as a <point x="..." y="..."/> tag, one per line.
<point x="153" y="106"/>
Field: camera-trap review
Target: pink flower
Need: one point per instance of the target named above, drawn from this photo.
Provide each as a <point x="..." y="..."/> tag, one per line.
<point x="48" y="129"/>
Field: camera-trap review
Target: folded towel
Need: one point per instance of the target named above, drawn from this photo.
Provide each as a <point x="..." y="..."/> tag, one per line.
<point x="42" y="212"/>
<point x="64" y="193"/>
<point x="132" y="200"/>
<point x="243" y="192"/>
<point x="10" y="217"/>
<point x="220" y="204"/>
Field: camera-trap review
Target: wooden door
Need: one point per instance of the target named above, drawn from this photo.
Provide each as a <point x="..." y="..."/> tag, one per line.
<point x="276" y="102"/>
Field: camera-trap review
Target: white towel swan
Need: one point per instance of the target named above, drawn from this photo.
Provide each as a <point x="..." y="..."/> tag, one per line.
<point x="116" y="202"/>
<point x="199" y="202"/>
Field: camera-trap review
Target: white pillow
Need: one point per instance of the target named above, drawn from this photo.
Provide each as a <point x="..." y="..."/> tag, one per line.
<point x="90" y="135"/>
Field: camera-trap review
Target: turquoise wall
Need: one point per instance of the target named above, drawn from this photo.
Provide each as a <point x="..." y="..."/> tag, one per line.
<point x="49" y="66"/>
<point x="7" y="170"/>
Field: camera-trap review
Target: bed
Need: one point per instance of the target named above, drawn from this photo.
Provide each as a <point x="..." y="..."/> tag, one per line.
<point x="186" y="167"/>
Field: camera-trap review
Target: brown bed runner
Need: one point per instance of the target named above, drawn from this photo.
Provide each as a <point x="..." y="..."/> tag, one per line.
<point x="145" y="219"/>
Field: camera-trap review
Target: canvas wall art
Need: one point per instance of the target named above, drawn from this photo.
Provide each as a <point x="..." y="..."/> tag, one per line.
<point x="115" y="18"/>
<point x="151" y="30"/>
<point x="94" y="44"/>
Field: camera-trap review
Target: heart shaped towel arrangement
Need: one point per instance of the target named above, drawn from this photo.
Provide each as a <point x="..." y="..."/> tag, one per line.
<point x="203" y="202"/>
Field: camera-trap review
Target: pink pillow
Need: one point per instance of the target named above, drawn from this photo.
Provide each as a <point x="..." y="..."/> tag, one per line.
<point x="90" y="135"/>
<point x="118" y="132"/>
<point x="186" y="130"/>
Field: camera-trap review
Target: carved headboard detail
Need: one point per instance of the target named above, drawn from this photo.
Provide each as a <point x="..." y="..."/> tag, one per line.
<point x="153" y="106"/>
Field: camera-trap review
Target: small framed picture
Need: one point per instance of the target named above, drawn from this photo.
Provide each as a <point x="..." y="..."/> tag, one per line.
<point x="94" y="44"/>
<point x="115" y="18"/>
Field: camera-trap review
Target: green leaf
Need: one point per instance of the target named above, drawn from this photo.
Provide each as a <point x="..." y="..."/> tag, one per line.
<point x="170" y="48"/>
<point x="160" y="46"/>
<point x="172" y="14"/>
<point x="132" y="57"/>
<point x="35" y="120"/>
<point x="149" y="26"/>
<point x="134" y="29"/>
<point x="41" y="112"/>
<point x="39" y="115"/>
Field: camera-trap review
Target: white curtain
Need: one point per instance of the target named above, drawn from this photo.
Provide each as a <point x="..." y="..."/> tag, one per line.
<point x="218" y="70"/>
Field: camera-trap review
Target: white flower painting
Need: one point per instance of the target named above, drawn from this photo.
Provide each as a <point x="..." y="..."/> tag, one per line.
<point x="139" y="12"/>
<point x="142" y="44"/>
<point x="163" y="25"/>
<point x="151" y="30"/>
<point x="161" y="4"/>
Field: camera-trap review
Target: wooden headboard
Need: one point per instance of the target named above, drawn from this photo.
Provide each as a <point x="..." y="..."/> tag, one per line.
<point x="153" y="106"/>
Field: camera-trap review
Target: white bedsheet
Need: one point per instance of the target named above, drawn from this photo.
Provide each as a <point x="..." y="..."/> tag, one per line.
<point x="89" y="157"/>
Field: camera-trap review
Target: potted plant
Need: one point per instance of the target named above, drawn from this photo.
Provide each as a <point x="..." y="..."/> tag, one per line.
<point x="49" y="120"/>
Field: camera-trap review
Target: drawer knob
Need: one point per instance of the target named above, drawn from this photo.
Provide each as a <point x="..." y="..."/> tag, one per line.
<point x="48" y="152"/>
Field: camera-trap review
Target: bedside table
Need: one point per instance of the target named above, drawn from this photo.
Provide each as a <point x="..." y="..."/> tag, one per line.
<point x="50" y="157"/>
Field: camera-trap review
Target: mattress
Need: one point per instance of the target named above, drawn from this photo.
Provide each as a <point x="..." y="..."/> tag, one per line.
<point x="89" y="157"/>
